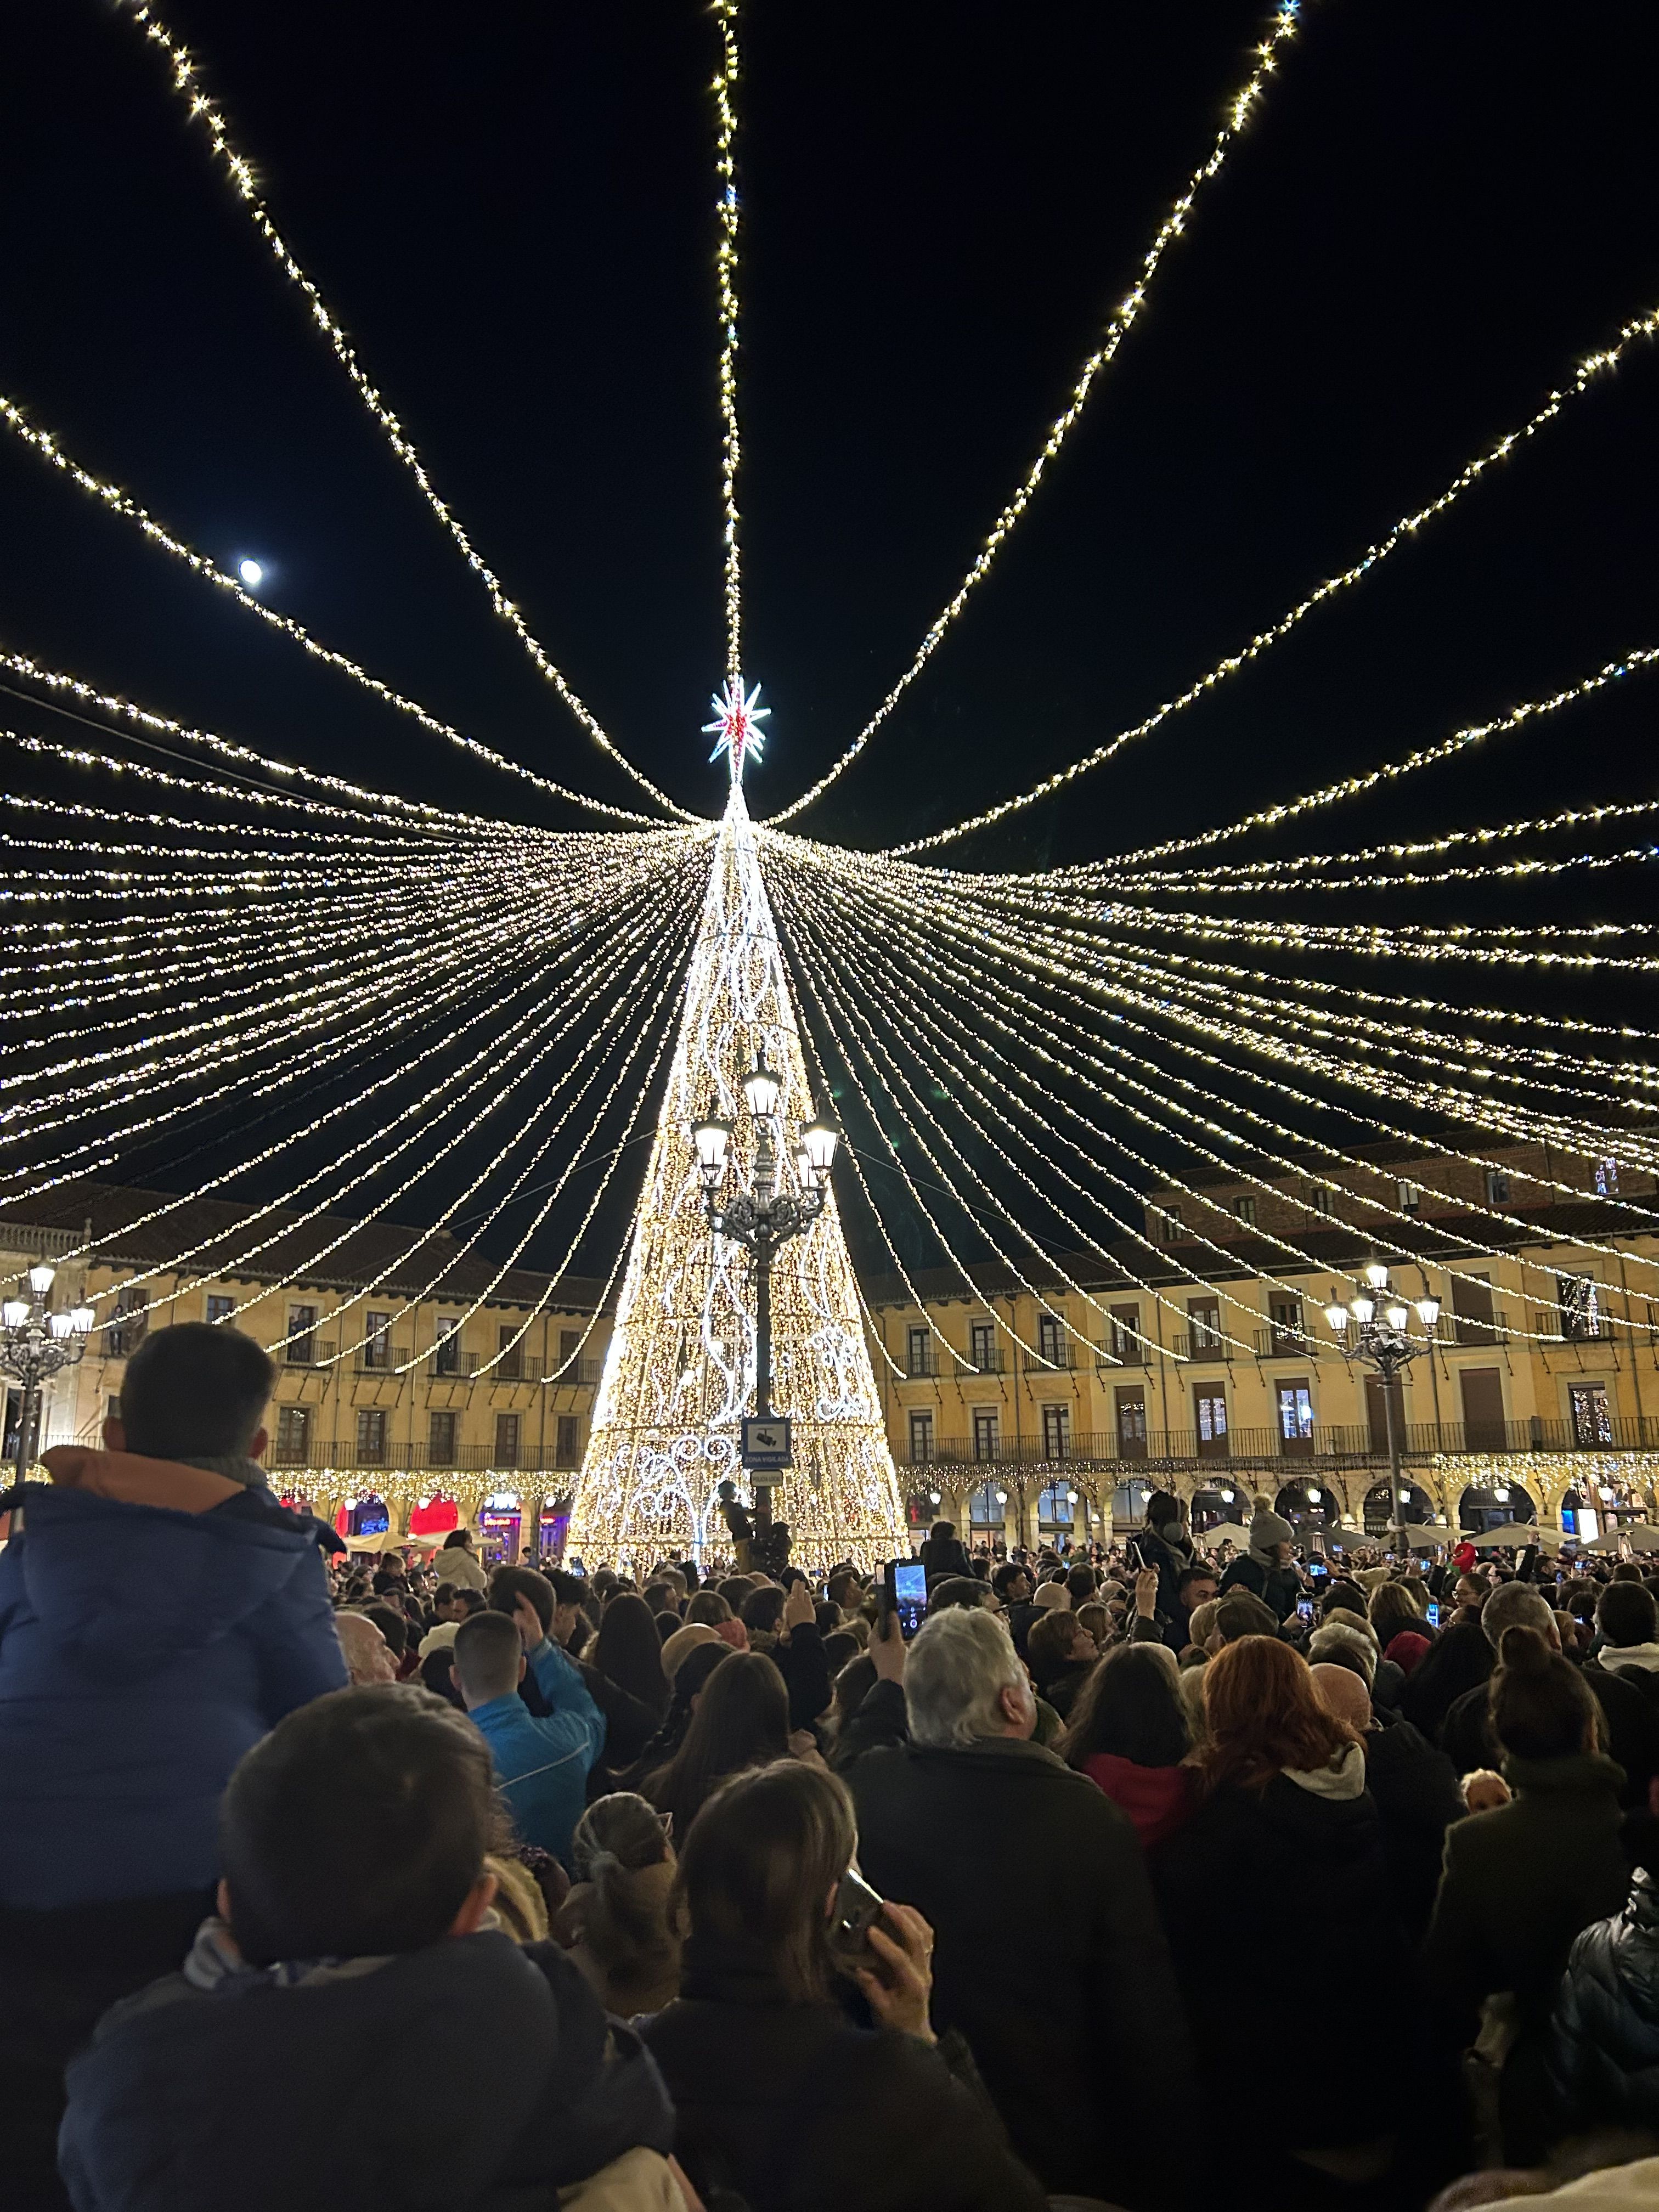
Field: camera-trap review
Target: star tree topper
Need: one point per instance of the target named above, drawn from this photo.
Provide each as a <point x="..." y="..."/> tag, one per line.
<point x="736" y="724"/>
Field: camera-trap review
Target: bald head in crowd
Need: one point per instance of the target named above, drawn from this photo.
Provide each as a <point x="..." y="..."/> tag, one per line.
<point x="1344" y="1696"/>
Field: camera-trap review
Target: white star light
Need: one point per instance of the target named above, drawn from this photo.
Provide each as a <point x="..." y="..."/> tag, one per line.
<point x="736" y="724"/>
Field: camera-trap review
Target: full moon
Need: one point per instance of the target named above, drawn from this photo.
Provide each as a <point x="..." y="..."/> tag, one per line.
<point x="251" y="572"/>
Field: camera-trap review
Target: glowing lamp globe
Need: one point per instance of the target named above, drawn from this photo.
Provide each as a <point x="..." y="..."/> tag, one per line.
<point x="1338" y="1317"/>
<point x="1396" y="1316"/>
<point x="59" y="1324"/>
<point x="14" y="1312"/>
<point x="41" y="1277"/>
<point x="81" y="1319"/>
<point x="711" y="1137"/>
<point x="1376" y="1275"/>
<point x="819" y="1140"/>
<point x="1362" y="1307"/>
<point x="1428" y="1311"/>
<point x="762" y="1088"/>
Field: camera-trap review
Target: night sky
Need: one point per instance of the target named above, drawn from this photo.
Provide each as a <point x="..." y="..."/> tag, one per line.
<point x="1432" y="216"/>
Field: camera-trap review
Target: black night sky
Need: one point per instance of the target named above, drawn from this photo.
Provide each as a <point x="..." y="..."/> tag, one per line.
<point x="1434" y="213"/>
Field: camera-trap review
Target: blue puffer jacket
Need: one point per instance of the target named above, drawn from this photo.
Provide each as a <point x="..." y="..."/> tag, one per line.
<point x="143" y="1650"/>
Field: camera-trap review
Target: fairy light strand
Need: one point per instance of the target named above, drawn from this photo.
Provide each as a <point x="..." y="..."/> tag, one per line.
<point x="187" y="83"/>
<point x="1122" y="320"/>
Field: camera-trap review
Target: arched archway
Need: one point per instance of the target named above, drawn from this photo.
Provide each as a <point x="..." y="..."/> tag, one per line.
<point x="1309" y="1507"/>
<point x="1490" y="1506"/>
<point x="1211" y="1505"/>
<point x="1379" y="1507"/>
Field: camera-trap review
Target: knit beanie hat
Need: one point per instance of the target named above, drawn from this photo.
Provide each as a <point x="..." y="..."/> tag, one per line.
<point x="1267" y="1529"/>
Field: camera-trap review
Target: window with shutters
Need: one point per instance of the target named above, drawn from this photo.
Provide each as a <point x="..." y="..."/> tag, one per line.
<point x="986" y="1431"/>
<point x="300" y="1350"/>
<point x="506" y="1440"/>
<point x="510" y="1345"/>
<point x="440" y="1431"/>
<point x="292" y="1435"/>
<point x="921" y="1439"/>
<point x="568" y="1441"/>
<point x="1056" y="1431"/>
<point x="371" y="1436"/>
<point x="1592" y="1416"/>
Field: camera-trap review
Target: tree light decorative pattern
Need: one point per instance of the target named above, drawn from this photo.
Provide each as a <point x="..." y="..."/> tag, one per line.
<point x="736" y="720"/>
<point x="680" y="1371"/>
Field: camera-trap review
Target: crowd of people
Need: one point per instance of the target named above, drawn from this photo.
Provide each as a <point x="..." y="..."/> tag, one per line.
<point x="1124" y="1879"/>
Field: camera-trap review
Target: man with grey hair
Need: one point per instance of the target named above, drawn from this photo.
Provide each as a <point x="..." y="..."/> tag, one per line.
<point x="960" y="1813"/>
<point x="1630" y="1722"/>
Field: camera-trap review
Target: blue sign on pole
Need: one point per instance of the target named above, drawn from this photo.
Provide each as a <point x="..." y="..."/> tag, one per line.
<point x="765" y="1445"/>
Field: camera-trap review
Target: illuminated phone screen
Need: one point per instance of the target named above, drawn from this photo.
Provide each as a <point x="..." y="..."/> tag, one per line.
<point x="910" y="1579"/>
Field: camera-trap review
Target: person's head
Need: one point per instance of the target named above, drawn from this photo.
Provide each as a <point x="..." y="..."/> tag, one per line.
<point x="1196" y="1585"/>
<point x="944" y="1531"/>
<point x="507" y="1585"/>
<point x="709" y="1607"/>
<point x="1097" y="1621"/>
<point x="1408" y="1649"/>
<point x="1471" y="1591"/>
<point x="1239" y="1614"/>
<point x="843" y="1590"/>
<point x="197" y="1390"/>
<point x="1131" y="1707"/>
<point x="1626" y="1614"/>
<point x="740" y="1720"/>
<point x="1392" y="1611"/>
<point x="1336" y="1644"/>
<point x="621" y="1825"/>
<point x="840" y="1649"/>
<point x="953" y="1592"/>
<point x="488" y="1658"/>
<point x="1165" y="1514"/>
<point x="367" y="1655"/>
<point x="1271" y="1535"/>
<point x="1343" y="1692"/>
<point x="445" y="1603"/>
<point x="392" y="1624"/>
<point x="627" y="1650"/>
<point x="682" y="1644"/>
<point x="762" y="1609"/>
<point x="1011" y="1584"/>
<point x="661" y="1597"/>
<point x="1051" y="1597"/>
<point x="358" y="1826"/>
<point x="1264" y="1717"/>
<point x="1059" y="1640"/>
<point x="1540" y="1705"/>
<point x="459" y="1540"/>
<point x="1082" y="1582"/>
<point x="760" y="1868"/>
<point x="438" y="1675"/>
<point x="1342" y="1595"/>
<point x="1517" y="1605"/>
<point x="1485" y="1791"/>
<point x="1200" y="1626"/>
<point x="963" y="1681"/>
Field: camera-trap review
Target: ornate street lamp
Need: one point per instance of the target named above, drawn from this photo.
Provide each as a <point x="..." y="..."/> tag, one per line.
<point x="36" y="1344"/>
<point x="763" y="1218"/>
<point x="1373" y="1330"/>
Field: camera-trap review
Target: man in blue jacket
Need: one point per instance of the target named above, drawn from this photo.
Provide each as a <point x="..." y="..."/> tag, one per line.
<point x="541" y="1761"/>
<point x="159" y="1612"/>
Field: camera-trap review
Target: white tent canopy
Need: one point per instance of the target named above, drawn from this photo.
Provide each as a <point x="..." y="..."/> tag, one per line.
<point x="1640" y="1535"/>
<point x="1518" y="1533"/>
<point x="1229" y="1532"/>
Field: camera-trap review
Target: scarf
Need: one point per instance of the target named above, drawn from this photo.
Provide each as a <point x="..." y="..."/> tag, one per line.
<point x="215" y="1967"/>
<point x="1343" y="1780"/>
<point x="1616" y="1657"/>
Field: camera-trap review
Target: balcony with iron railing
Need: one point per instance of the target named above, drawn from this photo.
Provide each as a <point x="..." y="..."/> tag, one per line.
<point x="417" y="1459"/>
<point x="1202" y="1343"/>
<point x="1058" y="1359"/>
<point x="1334" y="1443"/>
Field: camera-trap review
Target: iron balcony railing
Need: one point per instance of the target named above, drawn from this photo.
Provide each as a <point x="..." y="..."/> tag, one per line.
<point x="415" y="1459"/>
<point x="1333" y="1442"/>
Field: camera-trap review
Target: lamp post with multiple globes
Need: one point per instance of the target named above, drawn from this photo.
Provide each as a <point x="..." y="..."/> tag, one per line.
<point x="36" y="1344"/>
<point x="763" y="1218"/>
<point x="1373" y="1330"/>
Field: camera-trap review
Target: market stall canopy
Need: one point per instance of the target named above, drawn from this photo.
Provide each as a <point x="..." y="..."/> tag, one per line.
<point x="1640" y="1535"/>
<point x="1518" y="1533"/>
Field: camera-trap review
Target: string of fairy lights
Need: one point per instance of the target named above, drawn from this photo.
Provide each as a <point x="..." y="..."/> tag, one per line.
<point x="293" y="1014"/>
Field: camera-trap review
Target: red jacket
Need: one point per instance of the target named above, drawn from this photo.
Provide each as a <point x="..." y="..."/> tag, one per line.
<point x="1157" y="1799"/>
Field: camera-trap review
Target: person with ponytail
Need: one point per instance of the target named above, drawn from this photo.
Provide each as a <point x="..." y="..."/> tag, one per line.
<point x="1521" y="1881"/>
<point x="614" y="1923"/>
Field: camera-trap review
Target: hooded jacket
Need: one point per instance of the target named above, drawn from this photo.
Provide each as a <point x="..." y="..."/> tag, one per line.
<point x="156" y="1620"/>
<point x="191" y="2099"/>
<point x="1603" y="2053"/>
<point x="1520" y="1883"/>
<point x="1254" y="1880"/>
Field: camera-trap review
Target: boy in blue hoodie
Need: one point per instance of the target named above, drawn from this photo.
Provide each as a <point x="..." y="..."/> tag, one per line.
<point x="159" y="1612"/>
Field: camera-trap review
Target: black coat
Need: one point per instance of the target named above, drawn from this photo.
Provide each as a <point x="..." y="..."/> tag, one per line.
<point x="1171" y="1558"/>
<point x="1279" y="1588"/>
<point x="1253" y="1887"/>
<point x="1417" y="1797"/>
<point x="799" y="2110"/>
<point x="1520" y="1883"/>
<point x="1459" y="1659"/>
<point x="1072" y="2033"/>
<point x="1603" y="2050"/>
<point x="1631" y="1723"/>
<point x="945" y="1555"/>
<point x="469" y="2073"/>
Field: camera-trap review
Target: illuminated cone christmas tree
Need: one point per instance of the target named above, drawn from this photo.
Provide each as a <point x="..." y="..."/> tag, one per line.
<point x="680" y="1372"/>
